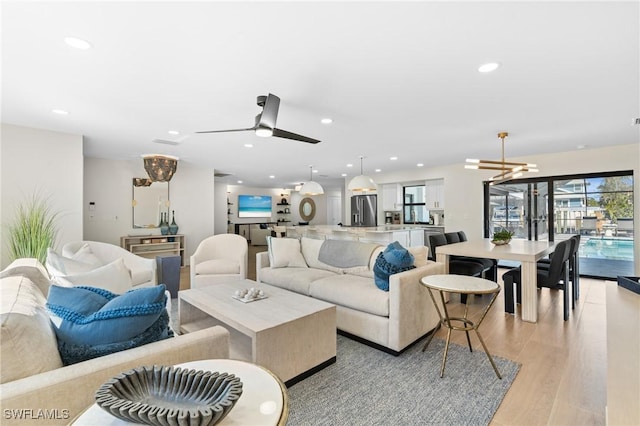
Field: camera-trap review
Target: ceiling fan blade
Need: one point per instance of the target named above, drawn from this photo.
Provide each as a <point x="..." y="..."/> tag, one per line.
<point x="224" y="131"/>
<point x="270" y="112"/>
<point x="288" y="135"/>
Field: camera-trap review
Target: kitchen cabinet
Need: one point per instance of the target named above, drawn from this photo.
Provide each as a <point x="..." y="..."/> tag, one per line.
<point x="434" y="193"/>
<point x="391" y="197"/>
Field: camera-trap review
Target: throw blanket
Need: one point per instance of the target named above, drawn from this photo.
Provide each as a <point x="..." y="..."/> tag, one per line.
<point x="346" y="254"/>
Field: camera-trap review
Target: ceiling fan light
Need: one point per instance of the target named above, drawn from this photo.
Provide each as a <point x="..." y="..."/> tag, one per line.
<point x="471" y="166"/>
<point x="472" y="160"/>
<point x="264" y="132"/>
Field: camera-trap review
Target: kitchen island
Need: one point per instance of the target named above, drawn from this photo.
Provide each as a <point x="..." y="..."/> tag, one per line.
<point x="407" y="235"/>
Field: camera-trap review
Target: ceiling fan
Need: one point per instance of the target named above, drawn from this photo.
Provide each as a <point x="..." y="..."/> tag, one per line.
<point x="266" y="122"/>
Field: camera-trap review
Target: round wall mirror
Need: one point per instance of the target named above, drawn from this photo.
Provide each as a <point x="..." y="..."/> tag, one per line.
<point x="307" y="209"/>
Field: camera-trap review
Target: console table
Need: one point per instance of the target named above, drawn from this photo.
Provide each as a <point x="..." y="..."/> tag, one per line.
<point x="151" y="246"/>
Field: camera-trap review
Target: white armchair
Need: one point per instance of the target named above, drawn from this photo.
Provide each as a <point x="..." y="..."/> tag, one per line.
<point x="219" y="258"/>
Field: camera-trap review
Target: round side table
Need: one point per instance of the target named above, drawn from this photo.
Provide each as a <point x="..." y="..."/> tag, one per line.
<point x="264" y="399"/>
<point x="463" y="285"/>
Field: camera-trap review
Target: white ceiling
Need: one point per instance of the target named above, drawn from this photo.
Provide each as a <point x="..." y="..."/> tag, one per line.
<point x="398" y="79"/>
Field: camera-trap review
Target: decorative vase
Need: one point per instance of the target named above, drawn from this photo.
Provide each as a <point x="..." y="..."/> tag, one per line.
<point x="173" y="228"/>
<point x="164" y="225"/>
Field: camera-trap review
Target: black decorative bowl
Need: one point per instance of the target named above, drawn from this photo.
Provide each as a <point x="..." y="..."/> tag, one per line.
<point x="161" y="395"/>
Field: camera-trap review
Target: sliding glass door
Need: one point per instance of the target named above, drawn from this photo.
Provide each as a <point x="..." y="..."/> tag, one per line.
<point x="521" y="208"/>
<point x="598" y="207"/>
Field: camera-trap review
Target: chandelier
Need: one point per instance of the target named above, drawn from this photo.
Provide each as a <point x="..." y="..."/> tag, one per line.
<point x="160" y="168"/>
<point x="508" y="169"/>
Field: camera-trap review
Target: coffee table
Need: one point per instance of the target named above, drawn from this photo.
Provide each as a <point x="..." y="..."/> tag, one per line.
<point x="263" y="401"/>
<point x="292" y="335"/>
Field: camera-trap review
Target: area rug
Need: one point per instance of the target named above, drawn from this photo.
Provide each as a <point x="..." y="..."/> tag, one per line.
<point x="369" y="387"/>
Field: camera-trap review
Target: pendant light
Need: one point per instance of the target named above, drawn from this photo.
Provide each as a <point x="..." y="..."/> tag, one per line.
<point x="362" y="182"/>
<point x="508" y="169"/>
<point x="160" y="168"/>
<point x="311" y="187"/>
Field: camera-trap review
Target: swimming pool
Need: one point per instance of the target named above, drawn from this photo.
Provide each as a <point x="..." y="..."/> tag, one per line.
<point x="607" y="248"/>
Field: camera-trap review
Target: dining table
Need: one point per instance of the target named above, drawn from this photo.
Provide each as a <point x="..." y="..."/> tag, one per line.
<point x="524" y="251"/>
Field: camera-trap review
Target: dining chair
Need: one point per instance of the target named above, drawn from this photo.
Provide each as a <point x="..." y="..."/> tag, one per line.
<point x="489" y="266"/>
<point x="574" y="267"/>
<point x="555" y="277"/>
<point x="456" y="267"/>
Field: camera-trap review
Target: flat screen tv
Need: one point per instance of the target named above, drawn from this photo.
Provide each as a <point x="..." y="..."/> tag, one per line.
<point x="254" y="206"/>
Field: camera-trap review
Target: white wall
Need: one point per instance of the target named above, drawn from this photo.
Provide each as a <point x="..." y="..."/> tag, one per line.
<point x="108" y="184"/>
<point x="463" y="194"/>
<point x="35" y="161"/>
<point x="220" y="207"/>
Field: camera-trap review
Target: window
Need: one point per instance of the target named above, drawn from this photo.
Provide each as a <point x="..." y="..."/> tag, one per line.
<point x="414" y="207"/>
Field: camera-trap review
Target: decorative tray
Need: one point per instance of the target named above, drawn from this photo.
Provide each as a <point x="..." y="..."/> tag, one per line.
<point x="167" y="395"/>
<point x="243" y="300"/>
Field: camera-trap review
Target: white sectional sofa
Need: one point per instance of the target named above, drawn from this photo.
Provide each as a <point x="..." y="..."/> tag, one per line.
<point x="390" y="320"/>
<point x="35" y="386"/>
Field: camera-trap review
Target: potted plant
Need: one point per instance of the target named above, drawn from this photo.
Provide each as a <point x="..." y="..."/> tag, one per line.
<point x="33" y="230"/>
<point x="502" y="236"/>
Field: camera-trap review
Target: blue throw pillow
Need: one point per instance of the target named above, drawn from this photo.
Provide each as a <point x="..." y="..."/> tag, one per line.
<point x="94" y="316"/>
<point x="382" y="270"/>
<point x="397" y="255"/>
<point x="72" y="353"/>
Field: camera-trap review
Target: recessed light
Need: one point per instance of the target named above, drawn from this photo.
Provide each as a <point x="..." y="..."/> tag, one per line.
<point x="60" y="112"/>
<point x="488" y="67"/>
<point x="272" y="177"/>
<point x="393" y="158"/>
<point x="326" y="121"/>
<point x="349" y="165"/>
<point x="248" y="145"/>
<point x="344" y="175"/>
<point x="77" y="43"/>
<point x="378" y="170"/>
<point x="315" y="171"/>
<point x="173" y="132"/>
<point x="420" y="165"/>
<point x="239" y="181"/>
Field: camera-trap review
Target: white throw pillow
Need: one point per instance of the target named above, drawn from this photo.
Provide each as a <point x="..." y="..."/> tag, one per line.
<point x="420" y="255"/>
<point x="114" y="276"/>
<point x="285" y="252"/>
<point x="85" y="255"/>
<point x="65" y="265"/>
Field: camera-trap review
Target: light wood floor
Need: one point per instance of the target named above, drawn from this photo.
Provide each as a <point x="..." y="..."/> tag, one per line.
<point x="562" y="380"/>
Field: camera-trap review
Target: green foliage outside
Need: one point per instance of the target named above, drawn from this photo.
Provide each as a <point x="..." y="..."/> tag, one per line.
<point x="33" y="230"/>
<point x="617" y="196"/>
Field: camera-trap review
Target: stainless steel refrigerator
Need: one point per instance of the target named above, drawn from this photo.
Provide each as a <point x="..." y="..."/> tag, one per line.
<point x="364" y="210"/>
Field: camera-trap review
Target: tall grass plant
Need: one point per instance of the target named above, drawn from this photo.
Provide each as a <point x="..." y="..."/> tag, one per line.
<point x="34" y="229"/>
